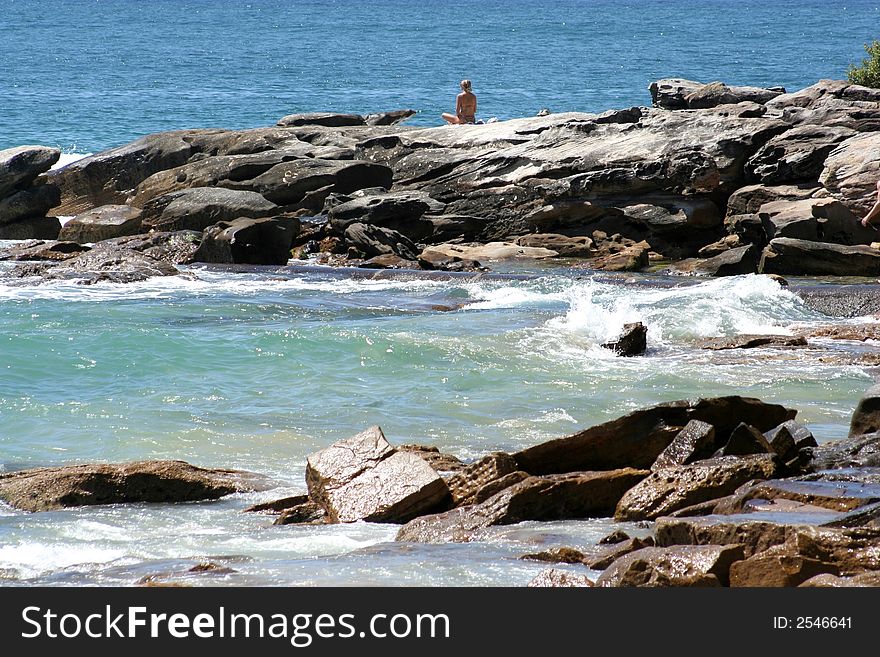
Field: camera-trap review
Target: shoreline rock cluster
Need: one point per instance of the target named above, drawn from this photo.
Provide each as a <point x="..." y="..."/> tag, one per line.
<point x="736" y="491"/>
<point x="716" y="180"/>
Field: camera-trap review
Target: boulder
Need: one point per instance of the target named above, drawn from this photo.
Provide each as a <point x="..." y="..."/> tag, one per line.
<point x="670" y="489"/>
<point x="446" y="227"/>
<point x="683" y="565"/>
<point x="853" y="452"/>
<point x="800" y="435"/>
<point x="200" y="207"/>
<point x="28" y="203"/>
<point x="42" y="250"/>
<point x="325" y="119"/>
<point x="631" y="342"/>
<point x="754" y="536"/>
<point x="746" y="440"/>
<point x="564" y="246"/>
<point x="557" y="555"/>
<point x="674" y="93"/>
<point x="749" y="198"/>
<point x="785" y="255"/>
<point x="103" y="223"/>
<point x="177" y="247"/>
<point x="554" y="497"/>
<point x="827" y="580"/>
<point x="797" y="155"/>
<point x="632" y="258"/>
<point x="833" y="103"/>
<point x="31" y="228"/>
<point x="852" y="170"/>
<point x="440" y="461"/>
<point x="20" y="166"/>
<point x="389" y="261"/>
<point x="617" y="536"/>
<point x="553" y="577"/>
<point x="431" y="259"/>
<point x="777" y="569"/>
<point x="464" y="486"/>
<point x="489" y="251"/>
<point x="815" y="219"/>
<point x="695" y="441"/>
<point x="365" y="478"/>
<point x="375" y="241"/>
<point x="866" y="417"/>
<point x="306" y="512"/>
<point x="401" y="212"/>
<point x="732" y="262"/>
<point x="389" y="118"/>
<point x="753" y="342"/>
<point x="637" y="439"/>
<point x="111" y="263"/>
<point x="263" y="241"/>
<point x="608" y="555"/>
<point x="853" y="550"/>
<point x="47" y="489"/>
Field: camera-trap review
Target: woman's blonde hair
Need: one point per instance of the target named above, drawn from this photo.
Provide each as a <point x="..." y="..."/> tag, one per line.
<point x="466" y="85"/>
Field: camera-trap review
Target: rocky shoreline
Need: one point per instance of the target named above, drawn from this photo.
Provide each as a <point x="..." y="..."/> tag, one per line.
<point x="711" y="180"/>
<point x="734" y="490"/>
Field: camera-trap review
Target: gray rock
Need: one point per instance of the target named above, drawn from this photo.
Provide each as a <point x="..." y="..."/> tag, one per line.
<point x="103" y="223"/>
<point x="833" y="103"/>
<point x="866" y="417"/>
<point x="631" y="342"/>
<point x="375" y="241"/>
<point x="753" y="342"/>
<point x="29" y="203"/>
<point x="325" y="119"/>
<point x="674" y="93"/>
<point x="793" y="256"/>
<point x="20" y="166"/>
<point x="200" y="207"/>
<point x="853" y="452"/>
<point x="733" y="262"/>
<point x="39" y="228"/>
<point x="797" y="155"/>
<point x="263" y="241"/>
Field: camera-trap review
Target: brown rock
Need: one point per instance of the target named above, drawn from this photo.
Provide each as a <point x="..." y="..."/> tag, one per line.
<point x="103" y="223"/>
<point x="610" y="554"/>
<point x="669" y="489"/>
<point x="753" y="535"/>
<point x="785" y="255"/>
<point x="47" y="489"/>
<point x="566" y="247"/>
<point x="617" y="536"/>
<point x="306" y="512"/>
<point x="365" y="478"/>
<point x="277" y="506"/>
<point x="633" y="258"/>
<point x="852" y="550"/>
<point x="438" y="460"/>
<point x="464" y="485"/>
<point x="827" y="580"/>
<point x="746" y="440"/>
<point x="685" y="565"/>
<point x="853" y="452"/>
<point x="772" y="569"/>
<point x="753" y="341"/>
<point x="866" y="417"/>
<point x="557" y="555"/>
<point x="631" y="342"/>
<point x="553" y="577"/>
<point x="695" y="441"/>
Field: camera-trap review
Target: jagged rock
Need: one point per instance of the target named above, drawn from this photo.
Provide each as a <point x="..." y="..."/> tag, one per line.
<point x="839" y="496"/>
<point x="674" y="93"/>
<point x="365" y="478"/>
<point x="20" y="166"/>
<point x="797" y="155"/>
<point x="746" y="440"/>
<point x="637" y="439"/>
<point x="633" y="258"/>
<point x="557" y="555"/>
<point x="277" y="506"/>
<point x="777" y="569"/>
<point x="263" y="241"/>
<point x="792" y="256"/>
<point x="753" y="342"/>
<point x="695" y="441"/>
<point x="754" y="536"/>
<point x="852" y="170"/>
<point x="389" y="118"/>
<point x="553" y="577"/>
<point x="866" y="417"/>
<point x="732" y="262"/>
<point x="438" y="460"/>
<point x="31" y="228"/>
<point x="853" y="452"/>
<point x="325" y="119"/>
<point x="631" y="342"/>
<point x="800" y="435"/>
<point x="103" y="223"/>
<point x="670" y="489"/>
<point x="306" y="512"/>
<point x="554" y="497"/>
<point x="375" y="241"/>
<point x="46" y="489"/>
<point x="464" y="486"/>
<point x="200" y="207"/>
<point x="833" y="103"/>
<point x="564" y="246"/>
<point x="112" y="263"/>
<point x="684" y="565"/>
<point x="608" y="555"/>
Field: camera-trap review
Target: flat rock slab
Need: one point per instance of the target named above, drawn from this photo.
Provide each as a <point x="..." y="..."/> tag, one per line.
<point x="842" y="496"/>
<point x="47" y="489"/>
<point x="753" y="535"/>
<point x="670" y="489"/>
<point x="494" y="251"/>
<point x="685" y="565"/>
<point x="365" y="478"/>
<point x="753" y="341"/>
<point x="553" y="497"/>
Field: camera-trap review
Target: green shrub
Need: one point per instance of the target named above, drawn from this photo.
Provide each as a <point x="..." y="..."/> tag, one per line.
<point x="868" y="74"/>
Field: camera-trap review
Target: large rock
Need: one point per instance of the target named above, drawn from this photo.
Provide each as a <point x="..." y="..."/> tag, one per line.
<point x="46" y="489"/>
<point x="490" y="251"/>
<point x="325" y="119"/>
<point x="750" y="198"/>
<point x="686" y="565"/>
<point x="753" y="535"/>
<point x="833" y="581"/>
<point x="103" y="223"/>
<point x="852" y="170"/>
<point x="465" y="486"/>
<point x="753" y="342"/>
<point x="564" y="246"/>
<point x="248" y="241"/>
<point x="632" y="258"/>
<point x="866" y="417"/>
<point x="785" y="255"/>
<point x="675" y="93"/>
<point x="400" y="211"/>
<point x="815" y="219"/>
<point x="833" y="103"/>
<point x="733" y="262"/>
<point x="20" y="166"/>
<point x="28" y="203"/>
<point x="853" y="452"/>
<point x="31" y="228"/>
<point x="554" y="497"/>
<point x="365" y="478"/>
<point x="775" y="568"/>
<point x="200" y="207"/>
<point x="670" y="489"/>
<point x="797" y="155"/>
<point x="839" y="496"/>
<point x="695" y="441"/>
<point x="177" y="247"/>
<point x="112" y="263"/>
<point x="375" y="241"/>
<point x="637" y="439"/>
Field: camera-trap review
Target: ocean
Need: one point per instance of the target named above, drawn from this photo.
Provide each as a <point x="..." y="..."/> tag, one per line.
<point x="258" y="370"/>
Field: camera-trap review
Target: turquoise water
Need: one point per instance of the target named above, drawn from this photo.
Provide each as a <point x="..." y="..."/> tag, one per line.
<point x="256" y="371"/>
<point x="89" y="74"/>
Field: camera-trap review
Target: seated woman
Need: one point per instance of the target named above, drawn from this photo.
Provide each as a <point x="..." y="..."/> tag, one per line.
<point x="465" y="106"/>
<point x="873" y="216"/>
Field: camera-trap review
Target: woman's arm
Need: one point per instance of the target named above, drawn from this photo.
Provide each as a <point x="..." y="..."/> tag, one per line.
<point x="458" y="105"/>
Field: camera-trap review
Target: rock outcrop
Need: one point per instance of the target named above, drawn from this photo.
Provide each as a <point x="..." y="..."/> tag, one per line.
<point x="24" y="199"/>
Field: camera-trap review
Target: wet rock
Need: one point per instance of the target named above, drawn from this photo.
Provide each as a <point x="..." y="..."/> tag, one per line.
<point x="325" y="119"/>
<point x="554" y="497"/>
<point x="800" y="435"/>
<point x="375" y="241"/>
<point x="365" y="478"/>
<point x="103" y="223"/>
<point x="200" y="207"/>
<point x="557" y="555"/>
<point x="47" y="489"/>
<point x="827" y="580"/>
<point x="853" y="452"/>
<point x="796" y="155"/>
<point x="306" y="512"/>
<point x="833" y="495"/>
<point x="389" y="261"/>
<point x="111" y="263"/>
<point x="263" y="241"/>
<point x="753" y="342"/>
<point x="606" y="556"/>
<point x="465" y="485"/>
<point x="20" y="166"/>
<point x="686" y="565"/>
<point x="431" y="259"/>
<point x="633" y="258"/>
<point x="553" y="577"/>
<point x="858" y="333"/>
<point x="178" y="247"/>
<point x="746" y="440"/>
<point x="733" y="262"/>
<point x="617" y="536"/>
<point x="669" y="489"/>
<point x="792" y="256"/>
<point x="564" y="246"/>
<point x="754" y="536"/>
<point x="631" y="342"/>
<point x="277" y="506"/>
<point x="637" y="439"/>
<point x="438" y="460"/>
<point x="695" y="441"/>
<point x="866" y="417"/>
<point x="852" y="550"/>
<point x="771" y="569"/>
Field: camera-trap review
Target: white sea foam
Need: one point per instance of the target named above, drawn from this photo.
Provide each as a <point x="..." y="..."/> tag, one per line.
<point x="68" y="158"/>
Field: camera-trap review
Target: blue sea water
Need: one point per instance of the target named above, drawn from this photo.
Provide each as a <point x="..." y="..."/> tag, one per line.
<point x="86" y="75"/>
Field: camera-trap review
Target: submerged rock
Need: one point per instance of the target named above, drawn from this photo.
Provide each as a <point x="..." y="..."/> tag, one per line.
<point x="46" y="489"/>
